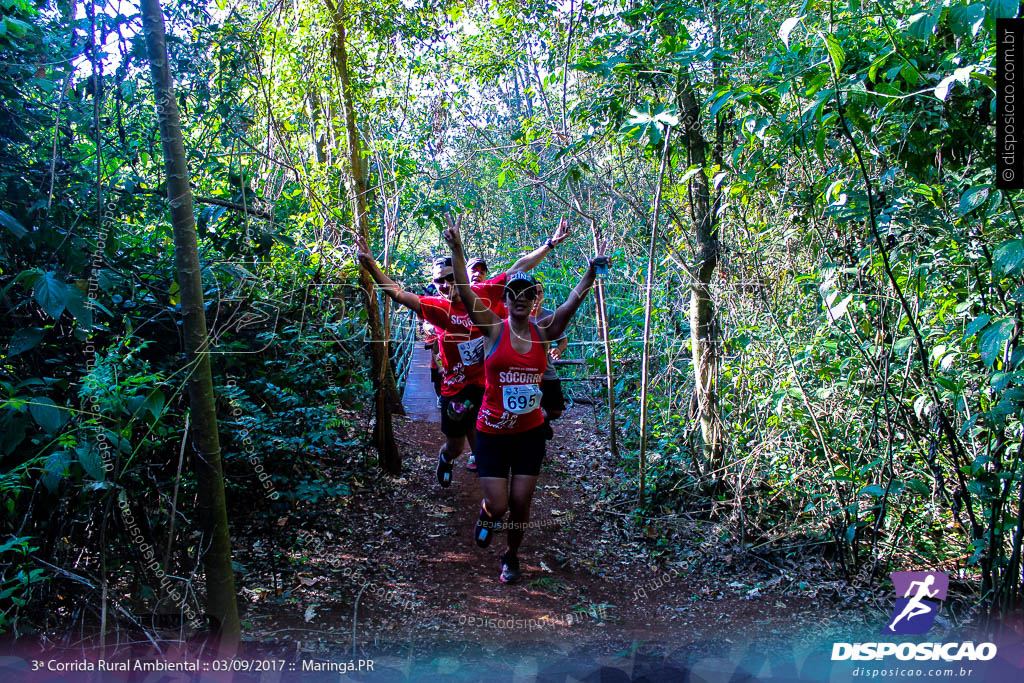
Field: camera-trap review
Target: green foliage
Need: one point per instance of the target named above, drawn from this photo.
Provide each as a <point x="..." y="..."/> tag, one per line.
<point x="866" y="285"/>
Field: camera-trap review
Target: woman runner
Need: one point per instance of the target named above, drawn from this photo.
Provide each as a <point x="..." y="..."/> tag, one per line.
<point x="510" y="425"/>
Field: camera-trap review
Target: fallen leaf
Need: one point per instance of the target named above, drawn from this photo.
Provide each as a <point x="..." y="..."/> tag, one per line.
<point x="310" y="613"/>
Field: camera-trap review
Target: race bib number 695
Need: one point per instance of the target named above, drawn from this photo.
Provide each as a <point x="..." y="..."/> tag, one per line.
<point x="521" y="398"/>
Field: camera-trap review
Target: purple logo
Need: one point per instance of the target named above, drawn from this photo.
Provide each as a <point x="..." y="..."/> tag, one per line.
<point x="917" y="594"/>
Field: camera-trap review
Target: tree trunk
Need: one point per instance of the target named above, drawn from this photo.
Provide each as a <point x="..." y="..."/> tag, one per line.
<point x="221" y="606"/>
<point x="385" y="390"/>
<point x="602" y="323"/>
<point x="318" y="128"/>
<point x="703" y="316"/>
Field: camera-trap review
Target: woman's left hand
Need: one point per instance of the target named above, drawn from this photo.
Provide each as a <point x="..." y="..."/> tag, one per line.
<point x="600" y="255"/>
<point x="452" y="234"/>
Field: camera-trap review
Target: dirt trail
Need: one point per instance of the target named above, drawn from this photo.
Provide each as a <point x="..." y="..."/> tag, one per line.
<point x="432" y="595"/>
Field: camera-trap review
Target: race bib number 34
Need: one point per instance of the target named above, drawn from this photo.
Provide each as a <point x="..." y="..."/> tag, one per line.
<point x="472" y="351"/>
<point x="521" y="398"/>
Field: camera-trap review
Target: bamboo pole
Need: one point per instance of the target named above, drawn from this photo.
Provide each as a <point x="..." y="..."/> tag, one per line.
<point x="648" y="296"/>
<point x="602" y="323"/>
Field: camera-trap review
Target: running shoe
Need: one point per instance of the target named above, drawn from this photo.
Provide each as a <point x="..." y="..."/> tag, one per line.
<point x="471" y="463"/>
<point x="484" y="529"/>
<point x="444" y="471"/>
<point x="510" y="569"/>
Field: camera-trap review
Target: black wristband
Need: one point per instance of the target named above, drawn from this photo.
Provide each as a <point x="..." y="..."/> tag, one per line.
<point x="550" y="244"/>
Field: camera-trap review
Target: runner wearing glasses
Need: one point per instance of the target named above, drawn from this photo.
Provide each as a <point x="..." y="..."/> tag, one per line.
<point x="510" y="425"/>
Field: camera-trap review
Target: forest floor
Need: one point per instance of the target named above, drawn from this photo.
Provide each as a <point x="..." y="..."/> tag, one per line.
<point x="432" y="599"/>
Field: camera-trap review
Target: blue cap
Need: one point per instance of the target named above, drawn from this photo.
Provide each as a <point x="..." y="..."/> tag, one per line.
<point x="519" y="282"/>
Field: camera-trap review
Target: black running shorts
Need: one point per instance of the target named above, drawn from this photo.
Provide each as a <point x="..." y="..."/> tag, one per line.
<point x="520" y="453"/>
<point x="456" y="428"/>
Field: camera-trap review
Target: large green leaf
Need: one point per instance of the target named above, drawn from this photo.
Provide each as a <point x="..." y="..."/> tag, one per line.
<point x="23" y="340"/>
<point x="922" y="25"/>
<point x="16" y="228"/>
<point x="719" y="102"/>
<point x="787" y="27"/>
<point x="47" y="414"/>
<point x="972" y="199"/>
<point x="1009" y="257"/>
<point x="1003" y="9"/>
<point x="79" y="306"/>
<point x="109" y="279"/>
<point x="835" y="52"/>
<point x="92" y="463"/>
<point x="51" y="294"/>
<point x="966" y="20"/>
<point x="603" y="68"/>
<point x="55" y="469"/>
<point x="647" y="122"/>
<point x="961" y="75"/>
<point x="12" y="430"/>
<point x="976" y="326"/>
<point x="155" y="402"/>
<point x="836" y="309"/>
<point x="993" y="339"/>
<point x="134" y="403"/>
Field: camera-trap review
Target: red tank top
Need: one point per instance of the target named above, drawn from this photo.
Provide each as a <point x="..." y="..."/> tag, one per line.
<point x="512" y="391"/>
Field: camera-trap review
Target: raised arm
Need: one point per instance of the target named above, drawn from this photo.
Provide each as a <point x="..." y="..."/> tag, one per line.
<point x="533" y="259"/>
<point x="390" y="287"/>
<point x="482" y="317"/>
<point x="553" y="327"/>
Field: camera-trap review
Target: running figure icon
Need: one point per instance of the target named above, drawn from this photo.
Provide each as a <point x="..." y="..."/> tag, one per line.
<point x="915" y="607"/>
<point x="913" y="613"/>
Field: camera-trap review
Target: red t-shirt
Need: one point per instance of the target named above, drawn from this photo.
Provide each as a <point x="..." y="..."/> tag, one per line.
<point x="461" y="344"/>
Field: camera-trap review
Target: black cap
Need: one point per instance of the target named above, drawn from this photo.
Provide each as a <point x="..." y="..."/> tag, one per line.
<point x="440" y="265"/>
<point x="476" y="261"/>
